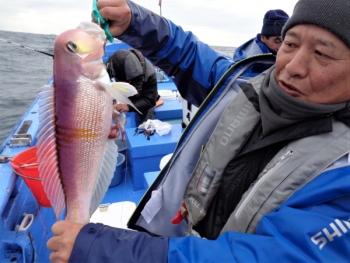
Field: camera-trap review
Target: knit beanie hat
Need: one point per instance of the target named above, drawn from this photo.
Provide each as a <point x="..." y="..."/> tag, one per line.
<point x="274" y="20"/>
<point x="123" y="65"/>
<point x="332" y="15"/>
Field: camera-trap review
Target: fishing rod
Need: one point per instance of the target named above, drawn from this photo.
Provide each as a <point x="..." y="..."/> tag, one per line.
<point x="42" y="52"/>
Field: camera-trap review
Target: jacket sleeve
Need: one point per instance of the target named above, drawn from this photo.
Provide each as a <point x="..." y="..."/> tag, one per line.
<point x="289" y="235"/>
<point x="312" y="226"/>
<point x="195" y="66"/>
<point x="99" y="243"/>
<point x="148" y="96"/>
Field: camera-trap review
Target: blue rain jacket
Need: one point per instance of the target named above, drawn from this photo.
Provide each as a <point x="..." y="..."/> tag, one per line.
<point x="250" y="48"/>
<point x="313" y="225"/>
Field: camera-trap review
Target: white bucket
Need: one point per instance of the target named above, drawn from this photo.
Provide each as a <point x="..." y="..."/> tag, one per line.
<point x="115" y="214"/>
<point x="165" y="160"/>
<point x="118" y="173"/>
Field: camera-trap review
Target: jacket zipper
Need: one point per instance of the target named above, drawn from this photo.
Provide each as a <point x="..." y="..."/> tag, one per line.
<point x="260" y="180"/>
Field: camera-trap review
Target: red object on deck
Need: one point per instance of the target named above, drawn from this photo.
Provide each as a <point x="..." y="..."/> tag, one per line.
<point x="25" y="165"/>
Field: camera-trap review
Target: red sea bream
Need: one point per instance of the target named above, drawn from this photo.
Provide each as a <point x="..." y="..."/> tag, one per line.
<point x="76" y="160"/>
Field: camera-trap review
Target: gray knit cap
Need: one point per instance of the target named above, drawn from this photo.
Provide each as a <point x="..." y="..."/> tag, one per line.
<point x="332" y="15"/>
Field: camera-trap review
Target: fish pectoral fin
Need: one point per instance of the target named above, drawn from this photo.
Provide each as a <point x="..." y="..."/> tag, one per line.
<point x="125" y="88"/>
<point x="118" y="95"/>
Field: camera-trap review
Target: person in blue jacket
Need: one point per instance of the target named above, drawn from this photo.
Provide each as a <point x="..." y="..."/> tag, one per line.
<point x="283" y="192"/>
<point x="269" y="40"/>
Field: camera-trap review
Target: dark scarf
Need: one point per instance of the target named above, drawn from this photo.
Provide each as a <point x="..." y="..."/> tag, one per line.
<point x="278" y="109"/>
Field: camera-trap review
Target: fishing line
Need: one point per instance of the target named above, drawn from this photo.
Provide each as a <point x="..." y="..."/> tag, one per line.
<point x="42" y="221"/>
<point x="34" y="75"/>
<point x="33" y="49"/>
<point x="22" y="211"/>
<point x="124" y="193"/>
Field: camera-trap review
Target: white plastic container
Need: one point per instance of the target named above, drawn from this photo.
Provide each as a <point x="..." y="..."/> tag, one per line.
<point x="118" y="173"/>
<point x="165" y="160"/>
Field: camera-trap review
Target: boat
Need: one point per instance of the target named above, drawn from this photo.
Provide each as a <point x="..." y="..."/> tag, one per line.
<point x="25" y="224"/>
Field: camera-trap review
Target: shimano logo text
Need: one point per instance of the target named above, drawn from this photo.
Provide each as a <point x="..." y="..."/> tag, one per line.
<point x="234" y="124"/>
<point x="336" y="229"/>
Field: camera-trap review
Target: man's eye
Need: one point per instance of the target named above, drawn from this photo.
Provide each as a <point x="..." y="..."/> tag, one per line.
<point x="288" y="44"/>
<point x="319" y="53"/>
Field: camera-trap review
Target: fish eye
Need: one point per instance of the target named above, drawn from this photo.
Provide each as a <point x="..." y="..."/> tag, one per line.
<point x="72" y="47"/>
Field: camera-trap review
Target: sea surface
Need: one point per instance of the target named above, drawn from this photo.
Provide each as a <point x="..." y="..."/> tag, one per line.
<point x="23" y="70"/>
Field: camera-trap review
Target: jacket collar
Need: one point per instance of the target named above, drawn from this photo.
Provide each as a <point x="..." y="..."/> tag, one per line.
<point x="303" y="129"/>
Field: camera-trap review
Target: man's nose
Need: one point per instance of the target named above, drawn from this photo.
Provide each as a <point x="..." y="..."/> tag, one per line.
<point x="298" y="64"/>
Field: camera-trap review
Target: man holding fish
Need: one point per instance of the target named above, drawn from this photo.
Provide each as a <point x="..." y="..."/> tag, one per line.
<point x="276" y="191"/>
<point x="76" y="160"/>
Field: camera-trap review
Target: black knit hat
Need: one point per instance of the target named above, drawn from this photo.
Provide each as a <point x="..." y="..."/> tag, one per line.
<point x="123" y="65"/>
<point x="274" y="20"/>
<point x="332" y="15"/>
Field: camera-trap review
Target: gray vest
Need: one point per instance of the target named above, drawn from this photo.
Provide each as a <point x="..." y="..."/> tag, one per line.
<point x="295" y="165"/>
<point x="157" y="210"/>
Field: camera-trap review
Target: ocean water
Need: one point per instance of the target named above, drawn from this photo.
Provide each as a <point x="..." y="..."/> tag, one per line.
<point x="23" y="71"/>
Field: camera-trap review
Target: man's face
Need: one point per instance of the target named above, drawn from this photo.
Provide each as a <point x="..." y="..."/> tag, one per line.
<point x="273" y="43"/>
<point x="313" y="65"/>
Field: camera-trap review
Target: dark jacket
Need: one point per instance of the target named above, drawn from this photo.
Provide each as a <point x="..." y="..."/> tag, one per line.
<point x="130" y="65"/>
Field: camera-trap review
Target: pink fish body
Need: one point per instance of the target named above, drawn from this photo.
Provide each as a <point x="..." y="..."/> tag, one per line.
<point x="76" y="160"/>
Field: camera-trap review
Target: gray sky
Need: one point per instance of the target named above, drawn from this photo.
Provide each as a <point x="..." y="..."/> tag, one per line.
<point x="216" y="22"/>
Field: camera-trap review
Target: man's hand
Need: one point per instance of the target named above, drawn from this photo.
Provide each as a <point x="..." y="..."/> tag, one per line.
<point x="117" y="12"/>
<point x="61" y="244"/>
<point x="114" y="132"/>
<point x="122" y="108"/>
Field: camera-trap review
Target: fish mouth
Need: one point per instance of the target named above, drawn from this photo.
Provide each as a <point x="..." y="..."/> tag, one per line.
<point x="92" y="57"/>
<point x="289" y="88"/>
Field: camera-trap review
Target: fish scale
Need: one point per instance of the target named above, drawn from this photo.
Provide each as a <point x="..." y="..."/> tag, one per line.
<point x="81" y="161"/>
<point x="88" y="149"/>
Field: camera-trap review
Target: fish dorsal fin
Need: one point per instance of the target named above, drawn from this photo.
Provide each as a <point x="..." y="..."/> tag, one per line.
<point x="108" y="166"/>
<point x="47" y="151"/>
<point x="120" y="91"/>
